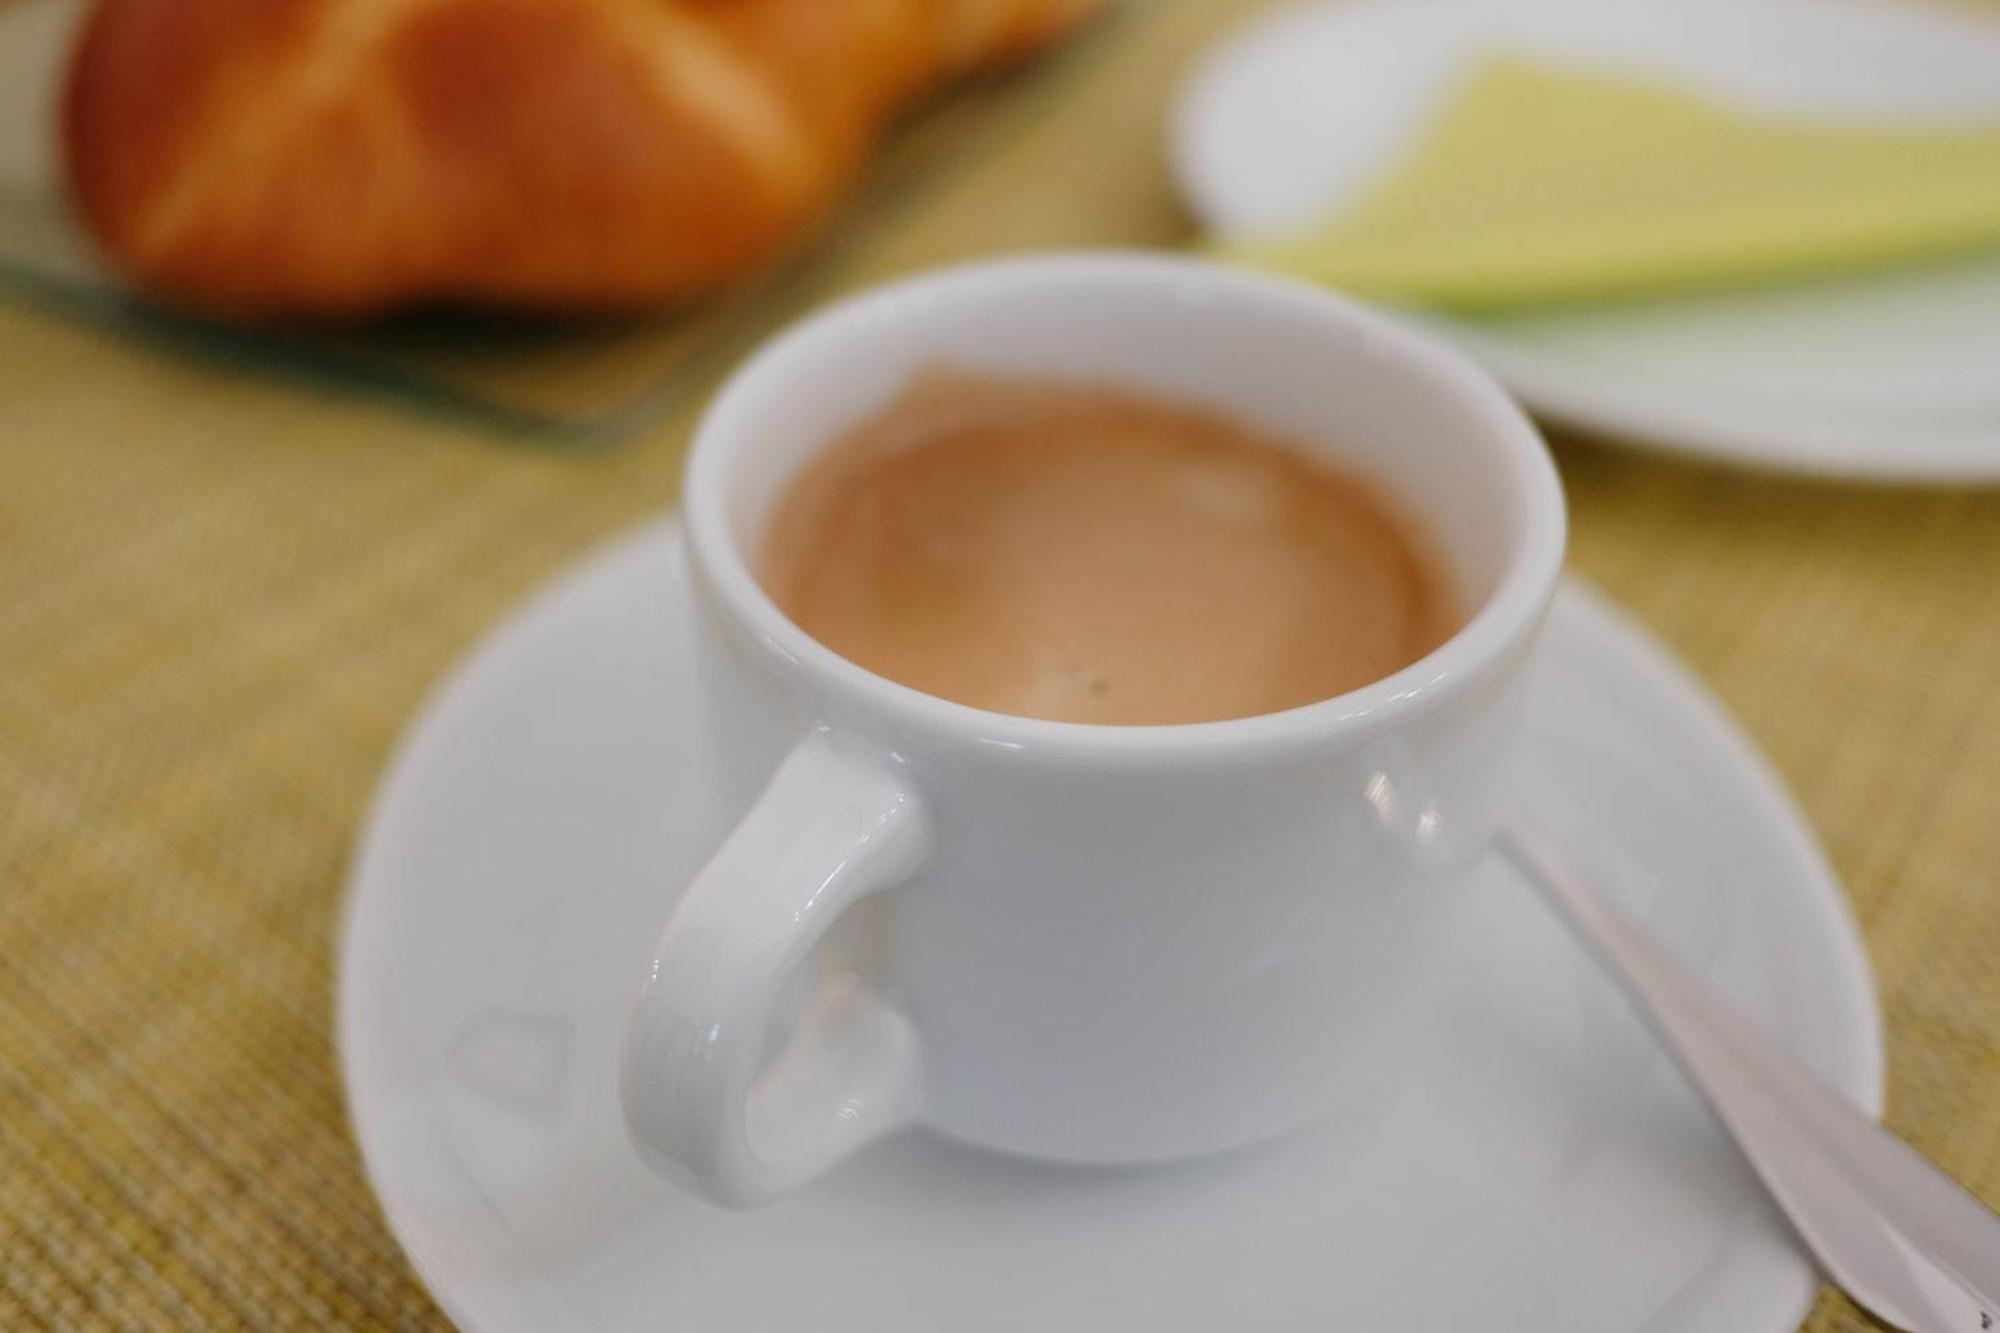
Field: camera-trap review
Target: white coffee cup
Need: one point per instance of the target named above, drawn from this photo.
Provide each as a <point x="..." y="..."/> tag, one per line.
<point x="1103" y="944"/>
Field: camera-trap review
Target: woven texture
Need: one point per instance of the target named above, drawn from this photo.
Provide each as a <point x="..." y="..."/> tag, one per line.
<point x="223" y="596"/>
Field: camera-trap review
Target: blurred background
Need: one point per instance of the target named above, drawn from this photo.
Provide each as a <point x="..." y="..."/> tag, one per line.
<point x="329" y="330"/>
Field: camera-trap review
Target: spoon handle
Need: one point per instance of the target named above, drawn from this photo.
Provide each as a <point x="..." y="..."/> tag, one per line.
<point x="1887" y="1226"/>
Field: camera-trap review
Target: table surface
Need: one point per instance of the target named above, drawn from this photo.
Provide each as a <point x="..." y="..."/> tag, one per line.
<point x="223" y="595"/>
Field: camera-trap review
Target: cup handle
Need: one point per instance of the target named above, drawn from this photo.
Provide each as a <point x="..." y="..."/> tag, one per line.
<point x="699" y="1093"/>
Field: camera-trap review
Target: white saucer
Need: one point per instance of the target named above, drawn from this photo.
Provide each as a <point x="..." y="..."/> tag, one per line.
<point x="1541" y="1168"/>
<point x="1888" y="376"/>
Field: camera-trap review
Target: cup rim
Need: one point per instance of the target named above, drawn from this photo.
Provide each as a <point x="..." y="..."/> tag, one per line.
<point x="1506" y="617"/>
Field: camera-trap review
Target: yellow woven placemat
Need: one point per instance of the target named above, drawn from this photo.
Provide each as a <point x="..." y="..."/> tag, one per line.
<point x="222" y="597"/>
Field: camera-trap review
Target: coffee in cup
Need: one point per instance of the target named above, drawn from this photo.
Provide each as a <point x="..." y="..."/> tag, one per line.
<point x="1106" y="944"/>
<point x="1083" y="552"/>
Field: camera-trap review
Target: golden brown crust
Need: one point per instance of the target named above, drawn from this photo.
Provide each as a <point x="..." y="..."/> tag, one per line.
<point x="346" y="157"/>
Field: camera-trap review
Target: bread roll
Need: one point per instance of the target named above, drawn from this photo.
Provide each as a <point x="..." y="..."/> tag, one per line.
<point x="344" y="158"/>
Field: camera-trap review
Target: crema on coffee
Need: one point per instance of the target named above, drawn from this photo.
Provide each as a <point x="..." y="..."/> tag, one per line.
<point x="1085" y="553"/>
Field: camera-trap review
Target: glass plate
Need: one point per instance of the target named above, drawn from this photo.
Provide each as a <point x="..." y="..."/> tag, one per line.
<point x="552" y="381"/>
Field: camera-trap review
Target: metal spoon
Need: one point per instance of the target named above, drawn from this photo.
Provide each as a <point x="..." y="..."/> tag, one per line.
<point x="1889" y="1228"/>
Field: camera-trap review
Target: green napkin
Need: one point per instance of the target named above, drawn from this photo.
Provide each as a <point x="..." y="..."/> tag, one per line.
<point x="1538" y="184"/>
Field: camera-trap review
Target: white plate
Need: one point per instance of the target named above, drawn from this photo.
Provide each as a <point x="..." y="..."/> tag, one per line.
<point x="1891" y="376"/>
<point x="1541" y="1167"/>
